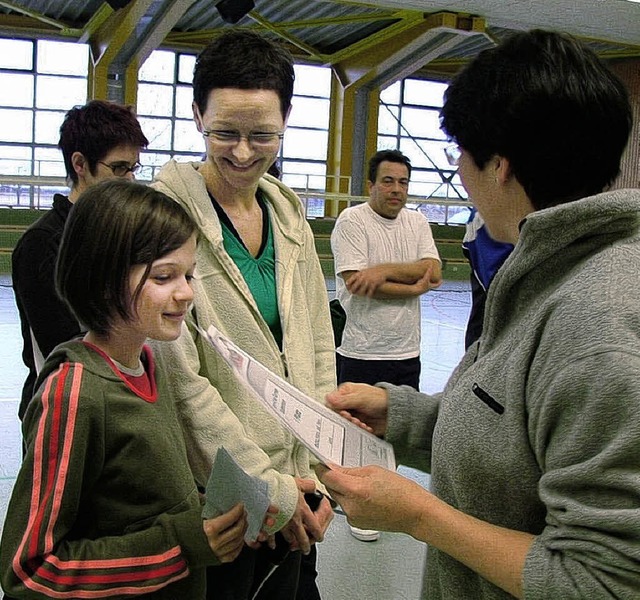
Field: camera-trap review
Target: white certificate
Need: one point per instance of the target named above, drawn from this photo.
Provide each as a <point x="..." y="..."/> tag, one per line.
<point x="332" y="438"/>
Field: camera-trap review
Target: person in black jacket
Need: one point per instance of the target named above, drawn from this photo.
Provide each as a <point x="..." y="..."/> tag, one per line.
<point x="99" y="140"/>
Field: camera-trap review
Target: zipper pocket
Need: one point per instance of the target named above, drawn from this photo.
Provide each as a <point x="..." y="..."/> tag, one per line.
<point x="487" y="399"/>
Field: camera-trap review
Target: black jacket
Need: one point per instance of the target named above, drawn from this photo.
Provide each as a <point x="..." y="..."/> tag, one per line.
<point x="43" y="314"/>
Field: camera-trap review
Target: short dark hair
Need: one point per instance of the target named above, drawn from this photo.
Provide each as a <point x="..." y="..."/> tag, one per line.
<point x="386" y="155"/>
<point x="94" y="130"/>
<point x="113" y="226"/>
<point x="244" y="60"/>
<point x="550" y="106"/>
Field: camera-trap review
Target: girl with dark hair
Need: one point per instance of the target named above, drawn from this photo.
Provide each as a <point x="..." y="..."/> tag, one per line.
<point x="105" y="504"/>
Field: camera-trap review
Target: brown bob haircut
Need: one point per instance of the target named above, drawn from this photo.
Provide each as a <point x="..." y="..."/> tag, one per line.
<point x="114" y="226"/>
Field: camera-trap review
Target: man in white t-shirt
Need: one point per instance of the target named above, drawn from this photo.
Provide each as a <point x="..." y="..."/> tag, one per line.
<point x="385" y="259"/>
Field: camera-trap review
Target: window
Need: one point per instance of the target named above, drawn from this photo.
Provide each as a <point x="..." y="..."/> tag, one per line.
<point x="303" y="157"/>
<point x="304" y="148"/>
<point x="164" y="110"/>
<point x="46" y="78"/>
<point x="409" y="121"/>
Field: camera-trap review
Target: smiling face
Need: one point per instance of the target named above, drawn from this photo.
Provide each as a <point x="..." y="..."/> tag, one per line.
<point x="165" y="296"/>
<point x="236" y="166"/>
<point x="388" y="193"/>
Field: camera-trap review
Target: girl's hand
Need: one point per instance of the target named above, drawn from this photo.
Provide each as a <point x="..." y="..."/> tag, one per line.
<point x="226" y="533"/>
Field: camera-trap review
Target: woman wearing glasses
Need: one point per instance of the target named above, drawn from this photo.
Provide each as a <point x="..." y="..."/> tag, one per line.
<point x="260" y="282"/>
<point x="533" y="444"/>
<point x="99" y="140"/>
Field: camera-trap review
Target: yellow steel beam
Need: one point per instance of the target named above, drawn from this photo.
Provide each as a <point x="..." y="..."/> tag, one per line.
<point x="611" y="54"/>
<point x="372" y="130"/>
<point x="283" y="34"/>
<point x="388" y="47"/>
<point x="343" y="20"/>
<point x="197" y="39"/>
<point x="109" y="33"/>
<point x="96" y="22"/>
<point x="200" y="38"/>
<point x="113" y="33"/>
<point x="617" y="51"/>
<point x="343" y="117"/>
<point x="131" y="84"/>
<point x="340" y="147"/>
<point x="406" y="20"/>
<point x="96" y="83"/>
<point x="366" y="66"/>
<point x="108" y="40"/>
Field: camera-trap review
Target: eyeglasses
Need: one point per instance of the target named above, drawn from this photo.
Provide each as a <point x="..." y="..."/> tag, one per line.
<point x="231" y="138"/>
<point x="453" y="153"/>
<point x="121" y="169"/>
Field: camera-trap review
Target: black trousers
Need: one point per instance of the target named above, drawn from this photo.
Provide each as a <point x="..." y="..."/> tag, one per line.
<point x="240" y="579"/>
<point x="396" y="372"/>
<point x="307" y="585"/>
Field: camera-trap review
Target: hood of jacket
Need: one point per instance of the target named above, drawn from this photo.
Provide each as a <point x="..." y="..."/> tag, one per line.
<point x="76" y="351"/>
<point x="553" y="242"/>
<point x="183" y="182"/>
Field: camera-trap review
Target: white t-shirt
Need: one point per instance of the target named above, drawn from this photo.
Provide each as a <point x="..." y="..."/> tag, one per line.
<point x="379" y="329"/>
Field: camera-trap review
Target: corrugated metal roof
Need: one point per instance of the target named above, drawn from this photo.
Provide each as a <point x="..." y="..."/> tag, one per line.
<point x="315" y="29"/>
<point x="325" y="26"/>
<point x="73" y="13"/>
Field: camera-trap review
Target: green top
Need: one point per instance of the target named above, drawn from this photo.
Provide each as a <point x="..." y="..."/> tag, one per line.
<point x="104" y="505"/>
<point x="260" y="271"/>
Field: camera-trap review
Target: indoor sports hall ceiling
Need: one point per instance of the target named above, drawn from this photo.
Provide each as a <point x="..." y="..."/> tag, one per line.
<point x="331" y="31"/>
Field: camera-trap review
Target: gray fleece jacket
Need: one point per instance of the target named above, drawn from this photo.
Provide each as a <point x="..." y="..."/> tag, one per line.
<point x="538" y="429"/>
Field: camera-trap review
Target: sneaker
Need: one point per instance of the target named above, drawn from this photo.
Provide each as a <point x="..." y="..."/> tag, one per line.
<point x="364" y="535"/>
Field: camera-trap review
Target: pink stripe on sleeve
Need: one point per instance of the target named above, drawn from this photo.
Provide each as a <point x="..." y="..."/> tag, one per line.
<point x="67" y="441"/>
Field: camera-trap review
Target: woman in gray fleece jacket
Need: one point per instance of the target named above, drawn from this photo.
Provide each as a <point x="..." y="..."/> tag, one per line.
<point x="534" y="445"/>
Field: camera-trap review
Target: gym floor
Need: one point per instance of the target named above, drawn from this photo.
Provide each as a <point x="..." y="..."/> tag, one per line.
<point x="388" y="569"/>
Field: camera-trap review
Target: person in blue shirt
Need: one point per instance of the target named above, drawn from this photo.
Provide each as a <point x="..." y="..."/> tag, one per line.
<point x="485" y="256"/>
